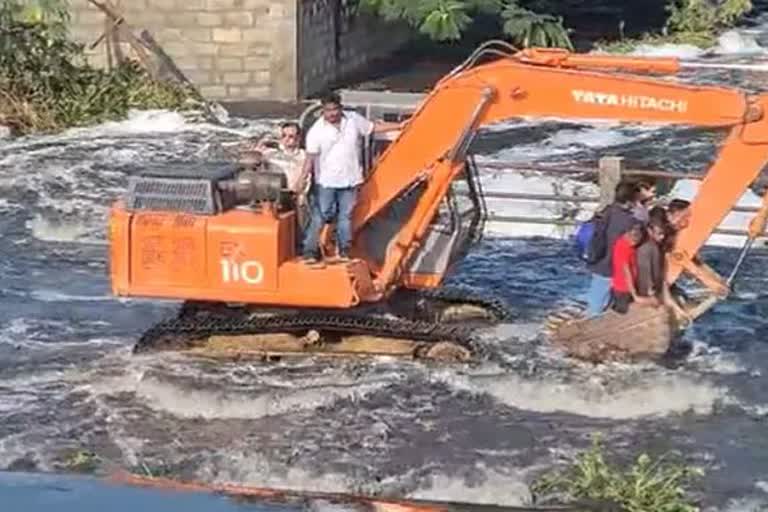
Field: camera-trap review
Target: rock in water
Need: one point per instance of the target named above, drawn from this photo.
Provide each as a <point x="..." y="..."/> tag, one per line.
<point x="642" y="333"/>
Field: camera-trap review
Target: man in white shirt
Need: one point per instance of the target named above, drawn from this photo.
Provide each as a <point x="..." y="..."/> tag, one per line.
<point x="333" y="148"/>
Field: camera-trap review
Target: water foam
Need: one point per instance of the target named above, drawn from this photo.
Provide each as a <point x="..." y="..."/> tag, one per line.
<point x="661" y="395"/>
<point x="13" y="448"/>
<point x="714" y="360"/>
<point x="680" y="51"/>
<point x="56" y="296"/>
<point x="596" y="135"/>
<point x="535" y="183"/>
<point x="502" y="489"/>
<point x="493" y="488"/>
<point x="730" y="42"/>
<point x="743" y="505"/>
<point x="48" y="230"/>
<point x="734" y="42"/>
<point x="257" y="402"/>
<point x="72" y="195"/>
<point x="247" y="469"/>
<point x="136" y="122"/>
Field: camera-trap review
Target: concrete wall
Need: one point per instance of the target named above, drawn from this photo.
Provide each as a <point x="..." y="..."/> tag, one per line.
<point x="250" y="49"/>
<point x="331" y="47"/>
<point x="231" y="49"/>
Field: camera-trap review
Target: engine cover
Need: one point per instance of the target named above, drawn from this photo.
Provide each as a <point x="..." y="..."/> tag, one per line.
<point x="182" y="187"/>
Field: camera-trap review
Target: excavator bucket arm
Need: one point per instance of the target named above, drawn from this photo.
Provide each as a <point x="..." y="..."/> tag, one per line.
<point x="551" y="84"/>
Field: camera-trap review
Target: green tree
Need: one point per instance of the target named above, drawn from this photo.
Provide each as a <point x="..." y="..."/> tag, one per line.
<point x="53" y="13"/>
<point x="694" y="16"/>
<point x="445" y="20"/>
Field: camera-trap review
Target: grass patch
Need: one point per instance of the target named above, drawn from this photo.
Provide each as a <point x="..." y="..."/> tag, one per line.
<point x="647" y="485"/>
<point x="79" y="461"/>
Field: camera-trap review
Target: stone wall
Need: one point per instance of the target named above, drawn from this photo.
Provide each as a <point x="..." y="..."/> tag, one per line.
<point x="231" y="49"/>
<point x="332" y="43"/>
<point x="251" y="49"/>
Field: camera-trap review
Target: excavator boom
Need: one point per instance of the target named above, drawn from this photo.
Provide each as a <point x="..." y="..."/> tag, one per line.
<point x="551" y="84"/>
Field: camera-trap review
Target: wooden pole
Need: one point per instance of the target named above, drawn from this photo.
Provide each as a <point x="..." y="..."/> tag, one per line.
<point x="126" y="31"/>
<point x="108" y="43"/>
<point x="610" y="169"/>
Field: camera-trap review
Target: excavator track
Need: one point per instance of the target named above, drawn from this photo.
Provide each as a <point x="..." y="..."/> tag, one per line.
<point x="492" y="308"/>
<point x="414" y="329"/>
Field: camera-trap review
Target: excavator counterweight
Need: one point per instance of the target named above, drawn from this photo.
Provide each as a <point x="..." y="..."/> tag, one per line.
<point x="225" y="241"/>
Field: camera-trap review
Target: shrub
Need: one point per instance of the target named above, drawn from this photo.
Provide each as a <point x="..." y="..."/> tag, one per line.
<point x="646" y="486"/>
<point x="46" y="83"/>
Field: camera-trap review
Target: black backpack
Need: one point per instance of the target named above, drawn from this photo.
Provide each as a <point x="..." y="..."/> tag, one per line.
<point x="598" y="245"/>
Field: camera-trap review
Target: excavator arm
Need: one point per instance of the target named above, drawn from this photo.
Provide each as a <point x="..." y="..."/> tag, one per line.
<point x="556" y="84"/>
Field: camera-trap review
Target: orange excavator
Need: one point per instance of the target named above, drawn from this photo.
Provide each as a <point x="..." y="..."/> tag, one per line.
<point x="225" y="244"/>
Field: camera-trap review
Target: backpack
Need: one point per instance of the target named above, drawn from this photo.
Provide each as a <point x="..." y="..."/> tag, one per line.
<point x="583" y="238"/>
<point x="591" y="237"/>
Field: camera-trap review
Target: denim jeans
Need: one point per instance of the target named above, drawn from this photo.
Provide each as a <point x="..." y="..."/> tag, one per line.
<point x="599" y="295"/>
<point x="329" y="205"/>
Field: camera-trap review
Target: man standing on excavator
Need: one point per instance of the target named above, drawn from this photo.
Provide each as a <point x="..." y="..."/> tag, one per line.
<point x="334" y="154"/>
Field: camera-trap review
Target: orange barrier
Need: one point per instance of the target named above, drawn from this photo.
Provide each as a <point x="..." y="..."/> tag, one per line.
<point x="287" y="497"/>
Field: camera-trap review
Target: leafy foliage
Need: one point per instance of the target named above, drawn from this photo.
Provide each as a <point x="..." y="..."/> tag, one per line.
<point x="45" y="83"/>
<point x="530" y="22"/>
<point x="692" y="16"/>
<point x="446" y="20"/>
<point x="527" y="28"/>
<point x="55" y="13"/>
<point x="647" y="486"/>
<point x="694" y="22"/>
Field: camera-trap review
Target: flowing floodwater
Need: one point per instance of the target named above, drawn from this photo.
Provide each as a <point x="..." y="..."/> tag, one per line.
<point x="69" y="383"/>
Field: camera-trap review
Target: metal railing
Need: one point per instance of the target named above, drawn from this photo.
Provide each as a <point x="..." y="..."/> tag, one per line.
<point x="608" y="173"/>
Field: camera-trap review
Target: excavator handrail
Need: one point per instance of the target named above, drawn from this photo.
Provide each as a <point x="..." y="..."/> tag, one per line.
<point x="475" y="55"/>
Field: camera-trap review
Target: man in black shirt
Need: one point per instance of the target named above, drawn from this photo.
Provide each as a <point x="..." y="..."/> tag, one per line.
<point x="651" y="268"/>
<point x="650" y="260"/>
<point x="618" y="219"/>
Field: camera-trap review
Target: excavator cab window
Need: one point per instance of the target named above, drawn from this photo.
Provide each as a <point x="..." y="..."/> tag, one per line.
<point x="378" y="142"/>
<point x="455" y="228"/>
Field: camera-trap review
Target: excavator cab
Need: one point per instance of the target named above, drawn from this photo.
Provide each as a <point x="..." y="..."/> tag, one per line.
<point x="224" y="240"/>
<point x="459" y="221"/>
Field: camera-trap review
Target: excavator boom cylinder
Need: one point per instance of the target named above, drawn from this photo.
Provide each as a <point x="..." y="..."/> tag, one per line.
<point x="559" y="58"/>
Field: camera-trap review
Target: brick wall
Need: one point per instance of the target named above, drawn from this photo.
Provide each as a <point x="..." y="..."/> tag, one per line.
<point x="325" y="57"/>
<point x="231" y="49"/>
<point x="250" y="49"/>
